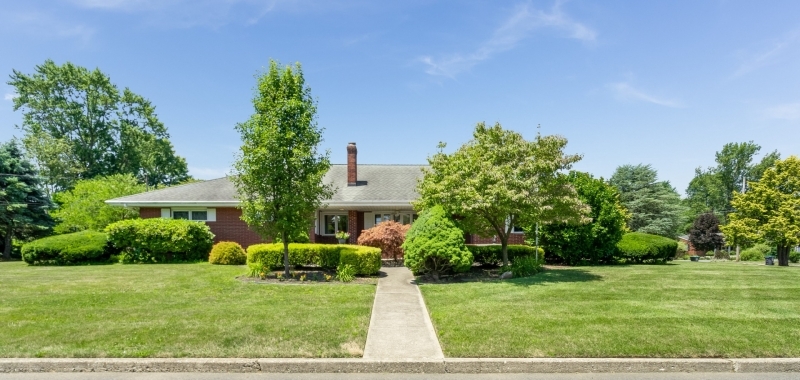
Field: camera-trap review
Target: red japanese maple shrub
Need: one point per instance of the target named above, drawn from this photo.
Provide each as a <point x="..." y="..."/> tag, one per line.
<point x="388" y="236"/>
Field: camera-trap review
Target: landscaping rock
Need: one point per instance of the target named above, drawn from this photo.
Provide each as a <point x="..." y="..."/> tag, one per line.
<point x="506" y="275"/>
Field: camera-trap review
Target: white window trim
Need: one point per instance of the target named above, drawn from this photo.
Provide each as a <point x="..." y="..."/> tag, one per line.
<point x="321" y="219"/>
<point x="211" y="213"/>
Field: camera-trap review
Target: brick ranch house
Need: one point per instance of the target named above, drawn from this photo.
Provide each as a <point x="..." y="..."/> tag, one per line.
<point x="366" y="195"/>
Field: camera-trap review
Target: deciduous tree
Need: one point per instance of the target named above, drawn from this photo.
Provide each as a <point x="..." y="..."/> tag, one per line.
<point x="705" y="233"/>
<point x="278" y="169"/>
<point x="499" y="180"/>
<point x="388" y="236"/>
<point x="84" y="207"/>
<point x="770" y="210"/>
<point x="23" y="205"/>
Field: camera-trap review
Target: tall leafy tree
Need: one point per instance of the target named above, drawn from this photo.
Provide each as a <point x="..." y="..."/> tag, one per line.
<point x="279" y="170"/>
<point x="654" y="206"/>
<point x="594" y="242"/>
<point x="705" y="233"/>
<point x="23" y="205"/>
<point x="770" y="210"/>
<point x="100" y="129"/>
<point x="84" y="207"/>
<point x="499" y="180"/>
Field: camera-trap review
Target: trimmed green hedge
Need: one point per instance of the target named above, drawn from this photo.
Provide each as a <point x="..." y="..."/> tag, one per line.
<point x="158" y="240"/>
<point x="493" y="254"/>
<point x="638" y="247"/>
<point x="68" y="249"/>
<point x="366" y="260"/>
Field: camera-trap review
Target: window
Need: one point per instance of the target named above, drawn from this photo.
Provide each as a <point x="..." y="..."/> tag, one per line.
<point x="402" y="218"/>
<point x="191" y="215"/>
<point x="335" y="223"/>
<point x="517" y="230"/>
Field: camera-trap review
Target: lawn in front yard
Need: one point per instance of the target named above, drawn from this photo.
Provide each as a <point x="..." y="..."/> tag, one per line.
<point x="174" y="310"/>
<point x="683" y="309"/>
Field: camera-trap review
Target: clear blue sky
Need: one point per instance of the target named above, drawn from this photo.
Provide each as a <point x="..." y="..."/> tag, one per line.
<point x="665" y="83"/>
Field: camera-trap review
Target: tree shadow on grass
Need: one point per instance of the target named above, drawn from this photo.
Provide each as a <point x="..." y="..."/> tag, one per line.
<point x="552" y="276"/>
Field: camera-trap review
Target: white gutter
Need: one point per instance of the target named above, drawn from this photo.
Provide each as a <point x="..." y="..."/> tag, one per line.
<point x="338" y="204"/>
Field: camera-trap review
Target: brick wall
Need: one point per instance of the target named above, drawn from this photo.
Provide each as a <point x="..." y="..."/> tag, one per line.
<point x="148" y="212"/>
<point x="513" y="239"/>
<point x="228" y="227"/>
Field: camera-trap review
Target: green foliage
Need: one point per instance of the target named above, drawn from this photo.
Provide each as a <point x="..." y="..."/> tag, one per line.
<point x="594" y="242"/>
<point x="158" y="240"/>
<point x="278" y="170"/>
<point x="638" y="247"/>
<point x="84" y="207"/>
<point x="499" y="180"/>
<point x="794" y="257"/>
<point x="654" y="206"/>
<point x="770" y="210"/>
<point x="365" y="260"/>
<point x="76" y="248"/>
<point x="227" y="253"/>
<point x="526" y="266"/>
<point x="493" y="254"/>
<point x="345" y="272"/>
<point x="78" y="124"/>
<point x="434" y="244"/>
<point x="755" y="253"/>
<point x="23" y="206"/>
<point x="297" y="237"/>
<point x="705" y="233"/>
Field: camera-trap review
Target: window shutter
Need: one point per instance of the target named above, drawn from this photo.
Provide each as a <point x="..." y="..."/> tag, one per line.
<point x="211" y="215"/>
<point x="165" y="213"/>
<point x="369" y="220"/>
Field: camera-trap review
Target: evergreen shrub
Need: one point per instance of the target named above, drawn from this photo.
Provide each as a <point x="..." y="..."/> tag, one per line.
<point x="435" y="245"/>
<point x="639" y="247"/>
<point x="227" y="253"/>
<point x="158" y="240"/>
<point x="365" y="260"/>
<point x="493" y="254"/>
<point x="68" y="249"/>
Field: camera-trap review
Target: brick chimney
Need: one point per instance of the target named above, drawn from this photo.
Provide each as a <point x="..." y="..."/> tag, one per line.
<point x="352" y="165"/>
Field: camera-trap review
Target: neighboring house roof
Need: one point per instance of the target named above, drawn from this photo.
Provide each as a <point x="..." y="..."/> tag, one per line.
<point x="379" y="186"/>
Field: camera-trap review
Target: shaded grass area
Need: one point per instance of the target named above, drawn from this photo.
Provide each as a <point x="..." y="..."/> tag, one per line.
<point x="174" y="310"/>
<point x="687" y="309"/>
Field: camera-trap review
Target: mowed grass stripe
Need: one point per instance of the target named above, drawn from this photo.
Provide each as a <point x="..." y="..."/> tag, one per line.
<point x="174" y="310"/>
<point x="683" y="309"/>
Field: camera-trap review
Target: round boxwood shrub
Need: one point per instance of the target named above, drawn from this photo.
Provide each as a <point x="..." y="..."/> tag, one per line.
<point x="158" y="240"/>
<point x="435" y="245"/>
<point x="227" y="253"/>
<point x="68" y="249"/>
<point x="639" y="247"/>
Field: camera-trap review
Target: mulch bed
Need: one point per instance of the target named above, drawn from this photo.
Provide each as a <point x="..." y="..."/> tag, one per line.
<point x="306" y="277"/>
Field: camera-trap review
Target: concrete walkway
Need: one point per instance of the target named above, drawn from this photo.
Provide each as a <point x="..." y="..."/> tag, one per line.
<point x="400" y="327"/>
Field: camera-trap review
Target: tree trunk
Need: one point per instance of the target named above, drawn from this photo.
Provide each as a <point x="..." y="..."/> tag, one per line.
<point x="285" y="255"/>
<point x="783" y="256"/>
<point x="737" y="252"/>
<point x="7" y="243"/>
<point x="504" y="245"/>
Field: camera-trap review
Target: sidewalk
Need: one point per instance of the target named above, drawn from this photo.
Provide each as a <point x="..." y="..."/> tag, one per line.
<point x="400" y="327"/>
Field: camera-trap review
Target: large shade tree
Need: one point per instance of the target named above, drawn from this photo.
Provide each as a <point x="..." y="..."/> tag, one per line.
<point x="84" y="207"/>
<point x="23" y="204"/>
<point x="278" y="172"/>
<point x="79" y="125"/>
<point x="654" y="206"/>
<point x="499" y="180"/>
<point x="770" y="210"/>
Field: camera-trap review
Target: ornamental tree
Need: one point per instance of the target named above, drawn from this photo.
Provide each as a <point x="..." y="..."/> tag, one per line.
<point x="84" y="207"/>
<point x="594" y="242"/>
<point x="499" y="180"/>
<point x="23" y="205"/>
<point x="705" y="233"/>
<point x="770" y="210"/>
<point x="388" y="236"/>
<point x="278" y="171"/>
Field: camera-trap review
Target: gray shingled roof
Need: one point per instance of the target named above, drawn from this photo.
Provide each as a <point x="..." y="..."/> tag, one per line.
<point x="381" y="185"/>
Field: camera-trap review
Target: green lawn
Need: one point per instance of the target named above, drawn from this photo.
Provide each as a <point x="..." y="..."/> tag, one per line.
<point x="710" y="309"/>
<point x="174" y="310"/>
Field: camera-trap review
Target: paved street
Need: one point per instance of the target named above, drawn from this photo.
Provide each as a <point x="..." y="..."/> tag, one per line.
<point x="318" y="376"/>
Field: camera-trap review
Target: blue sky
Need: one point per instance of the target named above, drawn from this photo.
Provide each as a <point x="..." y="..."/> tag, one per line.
<point x="665" y="83"/>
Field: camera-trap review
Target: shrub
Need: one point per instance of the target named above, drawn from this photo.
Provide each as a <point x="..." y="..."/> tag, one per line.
<point x="158" y="240"/>
<point x="345" y="272"/>
<point x="388" y="236"/>
<point x="365" y="260"/>
<point x="493" y="254"/>
<point x="639" y="247"/>
<point x="794" y="256"/>
<point x="435" y="245"/>
<point x="754" y="253"/>
<point x="227" y="253"/>
<point x="74" y="248"/>
<point x="524" y="266"/>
